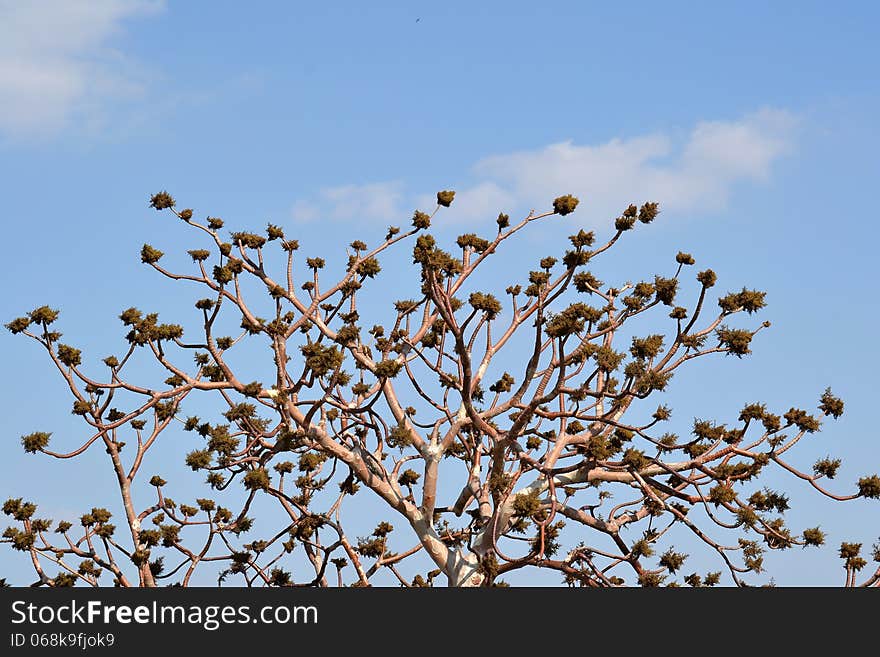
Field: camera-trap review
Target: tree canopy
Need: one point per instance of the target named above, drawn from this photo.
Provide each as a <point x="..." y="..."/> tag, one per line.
<point x="486" y="430"/>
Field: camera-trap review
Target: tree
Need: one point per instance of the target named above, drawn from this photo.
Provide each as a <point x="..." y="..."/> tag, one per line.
<point x="483" y="470"/>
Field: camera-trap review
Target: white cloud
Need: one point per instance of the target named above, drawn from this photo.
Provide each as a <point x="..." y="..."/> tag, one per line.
<point x="696" y="172"/>
<point x="373" y="202"/>
<point x="57" y="66"/>
<point x="305" y="211"/>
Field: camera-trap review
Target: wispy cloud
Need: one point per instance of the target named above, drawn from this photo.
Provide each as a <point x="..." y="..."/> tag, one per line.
<point x="697" y="171"/>
<point x="58" y="66"/>
<point x="371" y="202"/>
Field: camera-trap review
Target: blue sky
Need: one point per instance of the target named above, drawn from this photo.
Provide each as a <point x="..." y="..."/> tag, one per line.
<point x="753" y="124"/>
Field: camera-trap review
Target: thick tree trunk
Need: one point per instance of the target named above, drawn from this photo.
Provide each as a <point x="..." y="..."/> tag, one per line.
<point x="461" y="566"/>
<point x="463" y="569"/>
